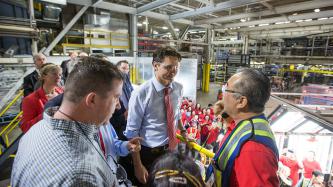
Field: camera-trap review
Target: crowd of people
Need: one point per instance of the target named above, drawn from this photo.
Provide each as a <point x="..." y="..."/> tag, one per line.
<point x="85" y="125"/>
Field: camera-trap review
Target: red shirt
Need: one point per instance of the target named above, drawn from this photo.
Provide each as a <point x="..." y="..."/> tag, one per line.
<point x="193" y="132"/>
<point x="213" y="133"/>
<point x="309" y="167"/>
<point x="256" y="165"/>
<point x="293" y="166"/>
<point x="33" y="107"/>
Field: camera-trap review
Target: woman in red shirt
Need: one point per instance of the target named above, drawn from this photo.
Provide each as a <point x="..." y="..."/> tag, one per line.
<point x="33" y="104"/>
<point x="310" y="165"/>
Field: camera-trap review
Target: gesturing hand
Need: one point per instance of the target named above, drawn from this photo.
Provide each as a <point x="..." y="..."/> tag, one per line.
<point x="134" y="144"/>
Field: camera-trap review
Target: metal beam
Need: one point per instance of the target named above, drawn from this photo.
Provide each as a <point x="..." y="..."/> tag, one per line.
<point x="181" y="6"/>
<point x="277" y="10"/>
<point x="287" y="25"/>
<point x="65" y="30"/>
<point x="312" y="15"/>
<point x="172" y="30"/>
<point x="207" y="2"/>
<point x="270" y="7"/>
<point x="115" y="7"/>
<point x="321" y="28"/>
<point x="214" y="8"/>
<point x="153" y="5"/>
<point x="130" y="10"/>
<point x="183" y="34"/>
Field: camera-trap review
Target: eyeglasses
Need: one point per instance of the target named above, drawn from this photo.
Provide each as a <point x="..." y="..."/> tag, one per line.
<point x="224" y="90"/>
<point x="170" y="67"/>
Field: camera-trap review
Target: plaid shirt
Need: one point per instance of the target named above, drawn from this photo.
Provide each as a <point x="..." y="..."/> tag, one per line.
<point x="56" y="153"/>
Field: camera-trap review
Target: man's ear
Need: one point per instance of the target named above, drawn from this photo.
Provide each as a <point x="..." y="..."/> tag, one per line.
<point x="155" y="66"/>
<point x="90" y="99"/>
<point x="242" y="103"/>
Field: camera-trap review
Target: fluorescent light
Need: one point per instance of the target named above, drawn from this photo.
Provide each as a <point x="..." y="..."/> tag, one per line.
<point x="279" y="23"/>
<point x="264" y="24"/>
<point x="145" y="22"/>
<point x="317" y="10"/>
<point x="282" y="22"/>
<point x="238" y="27"/>
<point x="252" y="26"/>
<point x="155" y="32"/>
<point x="298" y="21"/>
<point x="308" y="20"/>
<point x="164" y="28"/>
<point x="176" y="29"/>
<point x="322" y="18"/>
<point x="242" y="20"/>
<point x="139" y="24"/>
<point x="294" y="14"/>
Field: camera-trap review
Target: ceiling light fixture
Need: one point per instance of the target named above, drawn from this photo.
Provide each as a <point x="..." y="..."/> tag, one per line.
<point x="264" y="24"/>
<point x="164" y="28"/>
<point x="243" y="20"/>
<point x="317" y="10"/>
<point x="139" y="24"/>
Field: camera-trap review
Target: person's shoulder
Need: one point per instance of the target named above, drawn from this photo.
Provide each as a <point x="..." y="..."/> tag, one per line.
<point x="143" y="89"/>
<point x="30" y="75"/>
<point x="256" y="148"/>
<point x="177" y="85"/>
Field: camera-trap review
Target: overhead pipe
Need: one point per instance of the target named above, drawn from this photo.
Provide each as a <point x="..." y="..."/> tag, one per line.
<point x="312" y="15"/>
<point x="277" y="10"/>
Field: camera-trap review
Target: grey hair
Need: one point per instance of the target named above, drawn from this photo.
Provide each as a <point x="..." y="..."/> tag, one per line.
<point x="35" y="56"/>
<point x="255" y="86"/>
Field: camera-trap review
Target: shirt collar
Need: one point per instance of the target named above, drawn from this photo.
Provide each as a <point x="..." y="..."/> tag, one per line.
<point x="89" y="129"/>
<point x="158" y="86"/>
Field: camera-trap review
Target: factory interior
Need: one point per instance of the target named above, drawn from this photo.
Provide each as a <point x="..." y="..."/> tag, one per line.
<point x="289" y="41"/>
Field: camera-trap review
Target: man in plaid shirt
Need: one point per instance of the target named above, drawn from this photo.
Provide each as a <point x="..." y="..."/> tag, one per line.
<point x="63" y="149"/>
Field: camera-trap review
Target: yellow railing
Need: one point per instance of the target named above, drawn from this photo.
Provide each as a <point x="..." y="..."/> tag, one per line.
<point x="14" y="123"/>
<point x="308" y="71"/>
<point x="12" y="102"/>
<point x="11" y="127"/>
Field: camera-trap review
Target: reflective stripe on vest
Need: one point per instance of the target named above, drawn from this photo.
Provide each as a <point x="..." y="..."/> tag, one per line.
<point x="230" y="149"/>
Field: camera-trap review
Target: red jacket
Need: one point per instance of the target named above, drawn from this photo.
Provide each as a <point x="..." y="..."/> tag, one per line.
<point x="293" y="166"/>
<point x="255" y="165"/>
<point x="309" y="167"/>
<point x="33" y="107"/>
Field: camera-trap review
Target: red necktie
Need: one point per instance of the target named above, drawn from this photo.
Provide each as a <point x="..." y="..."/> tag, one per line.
<point x="101" y="142"/>
<point x="170" y="119"/>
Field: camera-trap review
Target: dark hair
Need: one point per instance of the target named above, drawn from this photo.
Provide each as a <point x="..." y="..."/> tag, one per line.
<point x="255" y="86"/>
<point x="175" y="170"/>
<point x="120" y="62"/>
<point x="99" y="55"/>
<point x="90" y="75"/>
<point x="317" y="173"/>
<point x="163" y="52"/>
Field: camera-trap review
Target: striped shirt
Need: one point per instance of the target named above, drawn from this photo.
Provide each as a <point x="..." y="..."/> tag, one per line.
<point x="57" y="152"/>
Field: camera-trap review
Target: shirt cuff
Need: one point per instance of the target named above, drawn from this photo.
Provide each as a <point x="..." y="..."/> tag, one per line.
<point x="131" y="134"/>
<point x="124" y="149"/>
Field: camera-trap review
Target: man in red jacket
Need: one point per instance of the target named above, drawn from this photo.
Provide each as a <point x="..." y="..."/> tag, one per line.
<point x="248" y="155"/>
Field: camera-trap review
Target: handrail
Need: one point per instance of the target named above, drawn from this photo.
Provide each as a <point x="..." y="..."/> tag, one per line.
<point x="12" y="102"/>
<point x="9" y="131"/>
<point x="4" y="130"/>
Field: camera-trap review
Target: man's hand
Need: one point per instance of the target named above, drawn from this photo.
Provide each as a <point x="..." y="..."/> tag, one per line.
<point x="134" y="144"/>
<point x="187" y="138"/>
<point x="141" y="173"/>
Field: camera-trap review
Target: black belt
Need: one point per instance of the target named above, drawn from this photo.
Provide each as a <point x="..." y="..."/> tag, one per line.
<point x="155" y="150"/>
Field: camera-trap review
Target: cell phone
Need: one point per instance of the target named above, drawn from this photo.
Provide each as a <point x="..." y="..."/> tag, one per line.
<point x="225" y="115"/>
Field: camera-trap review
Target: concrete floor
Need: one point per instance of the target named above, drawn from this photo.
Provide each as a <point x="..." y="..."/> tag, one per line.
<point x="208" y="98"/>
<point x="211" y="97"/>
